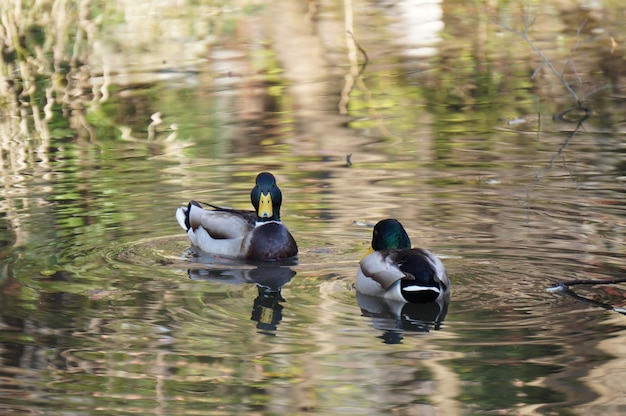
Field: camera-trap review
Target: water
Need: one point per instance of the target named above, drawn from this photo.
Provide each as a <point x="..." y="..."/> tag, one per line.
<point x="450" y="129"/>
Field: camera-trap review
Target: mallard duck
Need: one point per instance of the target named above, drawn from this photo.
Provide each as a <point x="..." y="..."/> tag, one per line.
<point x="250" y="235"/>
<point x="394" y="270"/>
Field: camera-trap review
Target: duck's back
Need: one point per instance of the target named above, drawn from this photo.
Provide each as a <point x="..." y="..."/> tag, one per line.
<point x="419" y="263"/>
<point x="431" y="280"/>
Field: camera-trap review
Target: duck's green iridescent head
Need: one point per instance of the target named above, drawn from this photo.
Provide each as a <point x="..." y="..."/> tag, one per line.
<point x="266" y="197"/>
<point x="390" y="234"/>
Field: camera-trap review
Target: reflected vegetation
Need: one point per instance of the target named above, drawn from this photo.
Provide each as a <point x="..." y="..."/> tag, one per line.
<point x="113" y="113"/>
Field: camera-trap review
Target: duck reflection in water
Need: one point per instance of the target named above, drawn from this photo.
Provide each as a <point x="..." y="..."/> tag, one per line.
<point x="267" y="309"/>
<point x="396" y="317"/>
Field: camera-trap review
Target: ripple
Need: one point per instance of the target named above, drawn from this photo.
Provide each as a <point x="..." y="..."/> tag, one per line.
<point x="498" y="291"/>
<point x="166" y="251"/>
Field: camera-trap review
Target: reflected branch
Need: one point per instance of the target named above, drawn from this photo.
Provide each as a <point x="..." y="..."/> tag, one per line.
<point x="560" y="117"/>
<point x="524" y="35"/>
<point x="528" y="22"/>
<point x="350" y="78"/>
<point x="363" y="52"/>
<point x="563" y="116"/>
<point x="354" y="76"/>
<point x="349" y="85"/>
<point x="353" y="46"/>
<point x="570" y="60"/>
<point x="595" y="90"/>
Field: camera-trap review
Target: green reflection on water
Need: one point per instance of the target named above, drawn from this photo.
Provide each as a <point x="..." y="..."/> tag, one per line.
<point x="95" y="294"/>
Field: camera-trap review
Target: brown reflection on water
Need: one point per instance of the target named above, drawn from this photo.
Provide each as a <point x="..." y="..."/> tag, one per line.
<point x="604" y="378"/>
<point x="447" y="125"/>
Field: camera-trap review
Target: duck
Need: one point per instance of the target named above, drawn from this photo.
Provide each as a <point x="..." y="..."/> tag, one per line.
<point x="257" y="235"/>
<point x="393" y="270"/>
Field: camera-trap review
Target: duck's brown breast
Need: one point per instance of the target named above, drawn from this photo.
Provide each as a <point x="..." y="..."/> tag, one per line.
<point x="271" y="241"/>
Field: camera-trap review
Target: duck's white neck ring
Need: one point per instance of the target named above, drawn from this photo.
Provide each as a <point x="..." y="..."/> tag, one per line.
<point x="261" y="223"/>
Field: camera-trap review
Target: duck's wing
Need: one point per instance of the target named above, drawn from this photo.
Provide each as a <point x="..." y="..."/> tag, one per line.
<point x="219" y="224"/>
<point x="381" y="266"/>
<point x="249" y="215"/>
<point x="222" y="225"/>
<point x="441" y="274"/>
<point x="423" y="266"/>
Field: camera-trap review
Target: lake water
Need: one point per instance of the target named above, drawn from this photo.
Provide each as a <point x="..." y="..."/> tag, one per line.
<point x="439" y="114"/>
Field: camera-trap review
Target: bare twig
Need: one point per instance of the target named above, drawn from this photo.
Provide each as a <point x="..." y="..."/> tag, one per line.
<point x="592" y="302"/>
<point x="591" y="282"/>
<point x="564" y="288"/>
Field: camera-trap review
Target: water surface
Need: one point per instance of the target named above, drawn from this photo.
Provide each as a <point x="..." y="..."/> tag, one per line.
<point x="439" y="114"/>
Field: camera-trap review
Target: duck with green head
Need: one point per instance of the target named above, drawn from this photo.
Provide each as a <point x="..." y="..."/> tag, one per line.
<point x="251" y="235"/>
<point x="394" y="270"/>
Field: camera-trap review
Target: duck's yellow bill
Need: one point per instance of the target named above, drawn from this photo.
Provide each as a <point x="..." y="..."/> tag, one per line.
<point x="266" y="209"/>
<point x="370" y="251"/>
<point x="267" y="315"/>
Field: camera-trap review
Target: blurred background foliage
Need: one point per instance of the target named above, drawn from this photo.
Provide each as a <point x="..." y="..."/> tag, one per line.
<point x="112" y="113"/>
